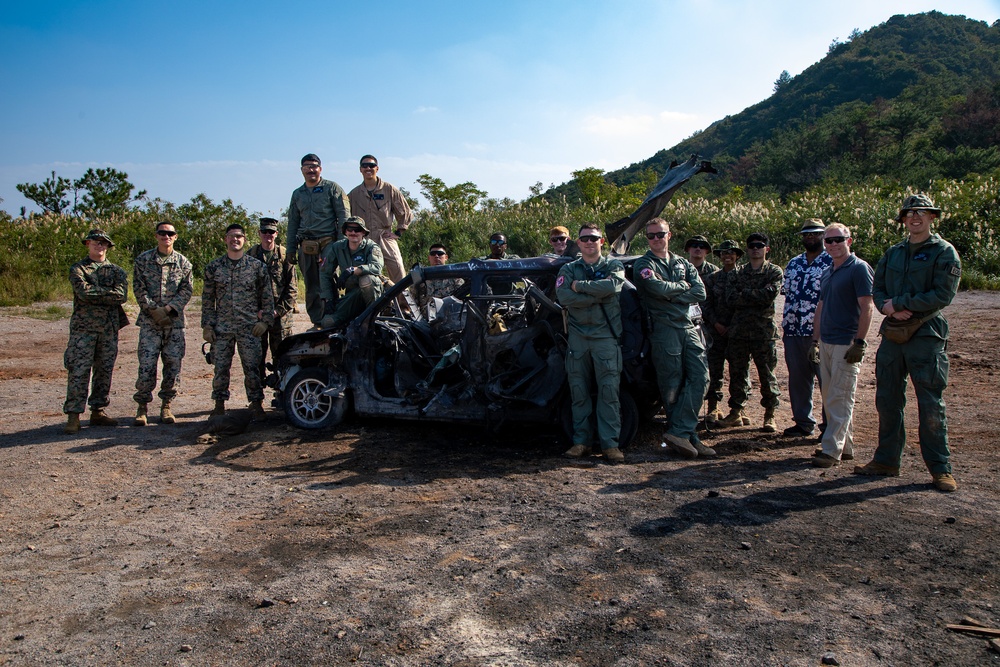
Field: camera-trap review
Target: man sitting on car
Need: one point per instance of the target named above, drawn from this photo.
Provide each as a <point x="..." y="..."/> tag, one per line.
<point x="360" y="262"/>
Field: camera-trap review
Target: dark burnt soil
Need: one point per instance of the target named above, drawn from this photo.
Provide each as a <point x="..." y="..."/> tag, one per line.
<point x="396" y="544"/>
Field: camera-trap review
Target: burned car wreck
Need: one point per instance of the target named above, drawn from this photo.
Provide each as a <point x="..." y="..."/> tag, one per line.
<point x="492" y="352"/>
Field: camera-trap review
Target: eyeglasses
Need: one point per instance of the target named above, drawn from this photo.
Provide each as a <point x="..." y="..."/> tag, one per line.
<point x="235" y="236"/>
<point x="437" y="253"/>
<point x="368" y="165"/>
<point x="590" y="239"/>
<point x="830" y="240"/>
<point x="558" y="239"/>
<point x="921" y="212"/>
<point x="812" y="233"/>
<point x="703" y="246"/>
<point x="756" y="246"/>
<point x="655" y="235"/>
<point x="310" y="165"/>
<point x="269" y="232"/>
<point x="163" y="232"/>
<point x="498" y="241"/>
<point x="353" y="230"/>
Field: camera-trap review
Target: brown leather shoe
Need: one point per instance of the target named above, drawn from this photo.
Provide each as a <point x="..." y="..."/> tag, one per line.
<point x="943" y="481"/>
<point x="680" y="446"/>
<point x="843" y="457"/>
<point x="613" y="455"/>
<point x="822" y="460"/>
<point x="577" y="452"/>
<point x="874" y="469"/>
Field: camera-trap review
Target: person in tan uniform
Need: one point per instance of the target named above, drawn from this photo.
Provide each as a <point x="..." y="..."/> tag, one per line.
<point x="378" y="203"/>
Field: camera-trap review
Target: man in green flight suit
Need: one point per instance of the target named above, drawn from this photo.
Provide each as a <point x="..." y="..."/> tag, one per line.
<point x="360" y="262"/>
<point x="914" y="281"/>
<point x="588" y="289"/>
<point x="669" y="286"/>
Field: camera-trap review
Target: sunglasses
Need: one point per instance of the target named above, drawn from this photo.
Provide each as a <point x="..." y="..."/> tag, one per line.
<point x="368" y="165"/>
<point x="558" y="239"/>
<point x="830" y="240"/>
<point x="655" y="235"/>
<point x="700" y="245"/>
<point x="498" y="242"/>
<point x="437" y="253"/>
<point x="353" y="230"/>
<point x="269" y="232"/>
<point x="590" y="239"/>
<point x="756" y="246"/>
<point x="911" y="213"/>
<point x="161" y="232"/>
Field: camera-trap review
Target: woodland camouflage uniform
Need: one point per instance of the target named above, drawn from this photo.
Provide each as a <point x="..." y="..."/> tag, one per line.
<point x="751" y="294"/>
<point x="285" y="289"/>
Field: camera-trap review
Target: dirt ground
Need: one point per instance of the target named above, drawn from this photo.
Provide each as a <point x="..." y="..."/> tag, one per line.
<point x="420" y="544"/>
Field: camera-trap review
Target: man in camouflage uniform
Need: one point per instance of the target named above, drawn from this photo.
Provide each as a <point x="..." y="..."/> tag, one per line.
<point x="441" y="287"/>
<point x="237" y="308"/>
<point x="669" y="286"/>
<point x="718" y="317"/>
<point x="162" y="284"/>
<point x="379" y="203"/>
<point x="588" y="289"/>
<point x="360" y="262"/>
<point x="284" y="286"/>
<point x="315" y="215"/>
<point x="915" y="279"/>
<point x="99" y="290"/>
<point x="751" y="294"/>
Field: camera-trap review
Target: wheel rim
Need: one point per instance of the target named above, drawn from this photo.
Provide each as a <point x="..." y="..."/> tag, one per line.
<point x="309" y="403"/>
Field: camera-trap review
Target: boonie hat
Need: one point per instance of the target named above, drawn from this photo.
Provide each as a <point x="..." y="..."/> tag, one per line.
<point x="268" y="225"/>
<point x="697" y="238"/>
<point x="98" y="235"/>
<point x="728" y="245"/>
<point x="812" y="225"/>
<point x="355" y="220"/>
<point x="917" y="203"/>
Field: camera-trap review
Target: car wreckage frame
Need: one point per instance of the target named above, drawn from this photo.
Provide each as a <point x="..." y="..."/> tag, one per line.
<point x="491" y="353"/>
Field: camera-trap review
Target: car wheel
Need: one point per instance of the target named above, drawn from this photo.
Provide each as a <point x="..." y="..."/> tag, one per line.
<point x="306" y="406"/>
<point x="629" y="412"/>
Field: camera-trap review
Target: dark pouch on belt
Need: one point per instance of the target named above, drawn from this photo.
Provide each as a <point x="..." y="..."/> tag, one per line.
<point x="310" y="247"/>
<point x="900" y="331"/>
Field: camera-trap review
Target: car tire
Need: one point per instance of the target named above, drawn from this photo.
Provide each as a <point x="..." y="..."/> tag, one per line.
<point x="629" y="412"/>
<point x="305" y="405"/>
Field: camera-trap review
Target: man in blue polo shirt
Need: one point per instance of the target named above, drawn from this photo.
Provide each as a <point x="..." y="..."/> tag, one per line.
<point x="843" y="317"/>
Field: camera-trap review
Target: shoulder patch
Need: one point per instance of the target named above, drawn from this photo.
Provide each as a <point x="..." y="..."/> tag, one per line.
<point x="560" y="281"/>
<point x="646" y="273"/>
<point x="955" y="270"/>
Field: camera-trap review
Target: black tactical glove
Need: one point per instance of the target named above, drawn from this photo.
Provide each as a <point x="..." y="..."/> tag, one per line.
<point x="329" y="306"/>
<point x="344" y="275"/>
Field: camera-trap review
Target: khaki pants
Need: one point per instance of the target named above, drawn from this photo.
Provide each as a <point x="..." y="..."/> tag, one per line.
<point x="839" y="381"/>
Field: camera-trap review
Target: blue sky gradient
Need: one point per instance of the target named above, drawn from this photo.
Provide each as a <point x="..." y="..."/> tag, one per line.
<point x="225" y="97"/>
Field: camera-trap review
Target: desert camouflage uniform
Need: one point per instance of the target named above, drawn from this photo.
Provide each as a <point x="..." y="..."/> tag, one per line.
<point x="159" y="281"/>
<point x="99" y="290"/>
<point x="285" y="289"/>
<point x="751" y="294"/>
<point x="235" y="291"/>
<point x="715" y="311"/>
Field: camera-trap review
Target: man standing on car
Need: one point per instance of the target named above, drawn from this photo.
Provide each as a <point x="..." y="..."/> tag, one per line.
<point x="162" y="284"/>
<point x="317" y="211"/>
<point x="751" y="294"/>
<point x="284" y="286"/>
<point x="843" y="316"/>
<point x="914" y="281"/>
<point x="669" y="286"/>
<point x="237" y="308"/>
<point x="379" y="203"/>
<point x="99" y="290"/>
<point x="801" y="290"/>
<point x="588" y="289"/>
<point x="360" y="262"/>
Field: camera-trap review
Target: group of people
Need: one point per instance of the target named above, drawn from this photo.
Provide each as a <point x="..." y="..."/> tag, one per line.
<point x="702" y="317"/>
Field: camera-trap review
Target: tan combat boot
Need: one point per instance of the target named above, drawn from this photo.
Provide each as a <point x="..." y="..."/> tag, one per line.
<point x="100" y="418"/>
<point x="220" y="408"/>
<point x="72" y="423"/>
<point x="734" y="418"/>
<point x="257" y="411"/>
<point x="140" y="415"/>
<point x="166" y="416"/>
<point x="713" y="415"/>
<point x="769" y="425"/>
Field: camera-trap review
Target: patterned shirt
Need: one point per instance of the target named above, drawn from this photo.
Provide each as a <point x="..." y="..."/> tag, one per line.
<point x="801" y="289"/>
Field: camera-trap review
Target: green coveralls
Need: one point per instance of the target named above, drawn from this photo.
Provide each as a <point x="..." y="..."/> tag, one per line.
<point x="922" y="279"/>
<point x="595" y="326"/>
<point x="667" y="287"/>
<point x="359" y="291"/>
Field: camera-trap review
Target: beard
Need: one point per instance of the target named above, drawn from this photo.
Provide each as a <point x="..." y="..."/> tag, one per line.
<point x="811" y="245"/>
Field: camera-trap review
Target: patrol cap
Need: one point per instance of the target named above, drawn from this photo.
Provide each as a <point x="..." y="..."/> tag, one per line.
<point x="812" y="226"/>
<point x="310" y="157"/>
<point x="268" y="225"/>
<point x="697" y="238"/>
<point x="917" y="203"/>
<point x="729" y="245"/>
<point x="98" y="235"/>
<point x="355" y="220"/>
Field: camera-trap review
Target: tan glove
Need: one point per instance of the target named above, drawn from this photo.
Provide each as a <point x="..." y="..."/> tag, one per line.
<point x="208" y="333"/>
<point x="856" y="352"/>
<point x="259" y="329"/>
<point x="161" y="317"/>
<point x="814" y="353"/>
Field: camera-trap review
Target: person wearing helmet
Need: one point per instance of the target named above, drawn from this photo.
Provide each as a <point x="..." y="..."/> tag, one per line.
<point x="914" y="281"/>
<point x="359" y="260"/>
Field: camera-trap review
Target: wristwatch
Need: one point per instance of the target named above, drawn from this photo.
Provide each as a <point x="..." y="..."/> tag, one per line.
<point x="860" y="341"/>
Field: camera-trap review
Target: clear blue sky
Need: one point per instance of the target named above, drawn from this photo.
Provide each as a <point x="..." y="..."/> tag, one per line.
<point x="224" y="97"/>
